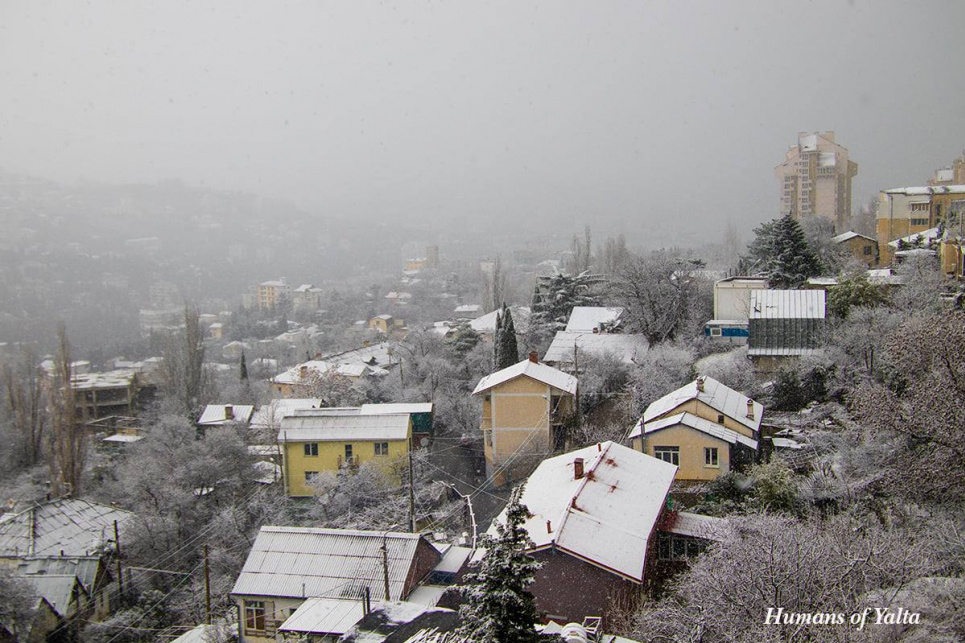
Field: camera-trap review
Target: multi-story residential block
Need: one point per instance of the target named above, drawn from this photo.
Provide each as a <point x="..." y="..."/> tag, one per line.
<point x="268" y="295"/>
<point x="524" y="415"/>
<point x="307" y="297"/>
<point x="904" y="212"/>
<point x="815" y="179"/>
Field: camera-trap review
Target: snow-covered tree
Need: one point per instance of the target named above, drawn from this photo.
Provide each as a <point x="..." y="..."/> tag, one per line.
<point x="781" y="253"/>
<point x="556" y="296"/>
<point x="498" y="608"/>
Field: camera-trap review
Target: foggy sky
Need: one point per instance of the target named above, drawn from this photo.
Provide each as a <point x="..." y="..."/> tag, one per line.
<point x="628" y="112"/>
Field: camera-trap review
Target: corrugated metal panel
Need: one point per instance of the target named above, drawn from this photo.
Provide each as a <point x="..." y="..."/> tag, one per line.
<point x="332" y="563"/>
<point x="74" y="527"/>
<point x="324" y="426"/>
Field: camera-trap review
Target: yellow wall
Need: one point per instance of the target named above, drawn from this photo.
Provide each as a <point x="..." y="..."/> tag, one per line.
<point x="856" y="247"/>
<point x="296" y="463"/>
<point x="691" y="443"/>
<point x="702" y="410"/>
<point x="513" y="411"/>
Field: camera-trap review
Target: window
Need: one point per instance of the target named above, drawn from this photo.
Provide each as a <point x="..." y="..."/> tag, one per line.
<point x="720" y="418"/>
<point x="919" y="222"/>
<point x="676" y="547"/>
<point x="254" y="615"/>
<point x="667" y="454"/>
<point x="867" y="250"/>
<point x="348" y="452"/>
<point x="710" y="457"/>
<point x="715" y="332"/>
<point x="381" y="448"/>
<point x="311" y="476"/>
<point x="919" y="207"/>
<point x="311" y="448"/>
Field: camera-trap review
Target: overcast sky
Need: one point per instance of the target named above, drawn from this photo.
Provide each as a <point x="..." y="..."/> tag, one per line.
<point x="615" y="111"/>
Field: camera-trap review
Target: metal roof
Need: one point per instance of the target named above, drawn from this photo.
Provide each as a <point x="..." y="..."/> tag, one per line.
<point x="606" y="517"/>
<point x="324" y="427"/>
<point x="624" y="347"/>
<point x="394" y="409"/>
<point x="715" y="395"/>
<point x="534" y="370"/>
<point x="787" y="304"/>
<point x="299" y="562"/>
<point x="56" y="589"/>
<point x="698" y="526"/>
<point x="374" y="358"/>
<point x="67" y="527"/>
<point x="84" y="568"/>
<point x="324" y="616"/>
<point x="848" y="236"/>
<point x="928" y="190"/>
<point x="697" y="423"/>
<point x="214" y="414"/>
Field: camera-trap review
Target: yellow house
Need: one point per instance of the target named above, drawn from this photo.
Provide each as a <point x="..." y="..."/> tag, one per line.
<point x="382" y="323"/>
<point x="525" y="409"/>
<point x="859" y="246"/>
<point x="317" y="441"/>
<point x="705" y="428"/>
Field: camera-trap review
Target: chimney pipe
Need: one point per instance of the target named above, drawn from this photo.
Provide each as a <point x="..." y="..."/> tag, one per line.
<point x="700" y="384"/>
<point x="578" y="468"/>
<point x="549" y="527"/>
<point x="533" y="357"/>
<point x="750" y="409"/>
<point x="229" y="412"/>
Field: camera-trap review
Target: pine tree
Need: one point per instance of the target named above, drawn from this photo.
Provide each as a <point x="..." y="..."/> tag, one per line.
<point x="244" y="368"/>
<point x="783" y="254"/>
<point x="508" y="348"/>
<point x="498" y="608"/>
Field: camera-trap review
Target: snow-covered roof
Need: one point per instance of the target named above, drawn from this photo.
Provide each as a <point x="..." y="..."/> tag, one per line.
<point x="67" y="526"/>
<point x="715" y="395"/>
<point x="822" y="281"/>
<point x="215" y="414"/>
<point x="353" y="363"/>
<point x="626" y="348"/>
<point x="326" y="427"/>
<point x="119" y="378"/>
<point x="927" y="190"/>
<point x="780" y="351"/>
<point x="607" y="516"/>
<point x="528" y="368"/>
<point x="786" y="443"/>
<point x="396" y="408"/>
<point x="324" y="616"/>
<point x="84" y="568"/>
<point x="270" y="415"/>
<point x="123" y="438"/>
<point x="694" y="422"/>
<point x="927" y="237"/>
<point x="300" y="562"/>
<point x="787" y="304"/>
<point x="848" y="236"/>
<point x="487" y="323"/>
<point x="698" y="526"/>
<point x="589" y="318"/>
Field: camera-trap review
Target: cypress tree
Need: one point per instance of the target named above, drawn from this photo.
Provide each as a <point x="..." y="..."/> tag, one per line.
<point x="508" y="348"/>
<point x="498" y="341"/>
<point x="498" y="607"/>
<point x="244" y="368"/>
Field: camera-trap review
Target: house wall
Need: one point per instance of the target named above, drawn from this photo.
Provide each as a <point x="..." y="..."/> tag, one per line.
<point x="732" y="299"/>
<point x="703" y="410"/>
<point x="864" y="250"/>
<point x="425" y="559"/>
<point x="518" y="412"/>
<point x="691" y="444"/>
<point x="567" y="588"/>
<point x="296" y="463"/>
<point x="894" y="220"/>
<point x="276" y="611"/>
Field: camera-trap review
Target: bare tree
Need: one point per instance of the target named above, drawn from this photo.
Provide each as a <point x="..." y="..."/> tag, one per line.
<point x="26" y="404"/>
<point x="18" y="604"/>
<point x="182" y="372"/>
<point x="67" y="452"/>
<point x="658" y="292"/>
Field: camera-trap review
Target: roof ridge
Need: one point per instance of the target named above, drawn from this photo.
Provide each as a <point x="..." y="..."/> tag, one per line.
<point x="572" y="505"/>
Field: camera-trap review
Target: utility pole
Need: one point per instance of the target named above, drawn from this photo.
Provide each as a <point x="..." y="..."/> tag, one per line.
<point x="117" y="558"/>
<point x="412" y="525"/>
<point x="207" y="588"/>
<point x="385" y="564"/>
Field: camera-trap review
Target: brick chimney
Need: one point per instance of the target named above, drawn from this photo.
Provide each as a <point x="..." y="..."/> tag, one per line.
<point x="577" y="468"/>
<point x="700" y="384"/>
<point x="750" y="409"/>
<point x="549" y="527"/>
<point x="229" y="412"/>
<point x="534" y="357"/>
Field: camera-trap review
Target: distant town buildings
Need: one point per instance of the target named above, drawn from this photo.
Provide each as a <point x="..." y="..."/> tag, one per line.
<point x="904" y="212"/>
<point x="815" y="179"/>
